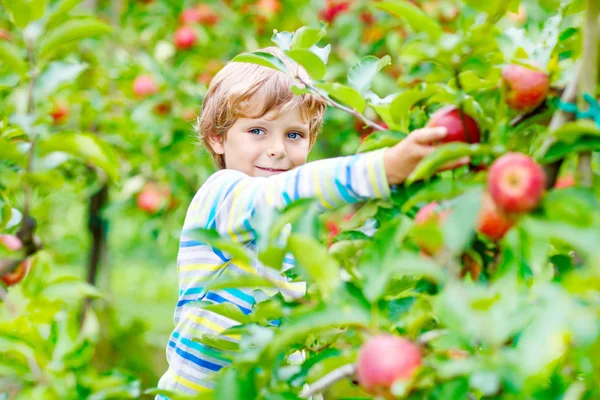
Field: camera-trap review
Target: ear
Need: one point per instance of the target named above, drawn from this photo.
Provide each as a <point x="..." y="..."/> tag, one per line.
<point x="216" y="143"/>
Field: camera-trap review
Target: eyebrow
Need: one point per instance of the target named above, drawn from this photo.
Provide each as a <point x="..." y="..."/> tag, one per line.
<point x="254" y="121"/>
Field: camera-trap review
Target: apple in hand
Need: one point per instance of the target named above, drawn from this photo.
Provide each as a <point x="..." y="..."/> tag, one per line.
<point x="458" y="130"/>
<point x="516" y="183"/>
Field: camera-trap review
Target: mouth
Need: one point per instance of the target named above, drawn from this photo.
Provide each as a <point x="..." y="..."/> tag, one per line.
<point x="272" y="169"/>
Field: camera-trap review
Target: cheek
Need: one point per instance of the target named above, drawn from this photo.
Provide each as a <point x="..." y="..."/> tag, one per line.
<point x="299" y="152"/>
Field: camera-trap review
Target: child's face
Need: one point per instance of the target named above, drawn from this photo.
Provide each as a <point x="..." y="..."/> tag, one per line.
<point x="270" y="145"/>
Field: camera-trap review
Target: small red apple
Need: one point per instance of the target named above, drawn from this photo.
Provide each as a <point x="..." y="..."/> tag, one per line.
<point x="565" y="181"/>
<point x="59" y="113"/>
<point x="471" y="267"/>
<point x="367" y="18"/>
<point x="430" y="214"/>
<point x="4" y="34"/>
<point x="162" y="108"/>
<point x="450" y="118"/>
<point x="185" y="38"/>
<point x="190" y="16"/>
<point x="492" y="223"/>
<point x="11" y="242"/>
<point x="525" y="88"/>
<point x="206" y="15"/>
<point x="516" y="183"/>
<point x="385" y="359"/>
<point x="144" y="85"/>
<point x="330" y="13"/>
<point x="17" y="275"/>
<point x="153" y="198"/>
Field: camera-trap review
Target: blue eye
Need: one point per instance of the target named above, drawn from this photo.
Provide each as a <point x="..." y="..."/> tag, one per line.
<point x="294" y="135"/>
<point x="256" y="131"/>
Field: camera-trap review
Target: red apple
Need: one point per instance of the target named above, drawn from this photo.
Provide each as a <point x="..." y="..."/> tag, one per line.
<point x="17" y="275"/>
<point x="565" y="181"/>
<point x="516" y="183"/>
<point x="492" y="223"/>
<point x="525" y="88"/>
<point x="330" y="13"/>
<point x="162" y="108"/>
<point x="144" y="85"/>
<point x="185" y="38"/>
<point x="59" y="113"/>
<point x="430" y="214"/>
<point x="367" y="18"/>
<point x="153" y="198"/>
<point x="190" y="16"/>
<point x="4" y="34"/>
<point x="385" y="359"/>
<point x="11" y="242"/>
<point x="450" y="118"/>
<point x="206" y="15"/>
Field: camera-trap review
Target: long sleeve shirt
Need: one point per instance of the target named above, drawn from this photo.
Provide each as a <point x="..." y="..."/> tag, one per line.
<point x="227" y="202"/>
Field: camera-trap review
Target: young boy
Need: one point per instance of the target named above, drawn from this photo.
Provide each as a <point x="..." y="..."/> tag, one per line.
<point x="259" y="134"/>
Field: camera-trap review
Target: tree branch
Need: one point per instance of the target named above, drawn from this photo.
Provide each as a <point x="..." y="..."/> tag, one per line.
<point x="334" y="376"/>
<point x="588" y="78"/>
<point x="342" y="107"/>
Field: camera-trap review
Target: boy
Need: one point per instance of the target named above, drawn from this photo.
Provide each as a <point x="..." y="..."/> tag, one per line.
<point x="259" y="134"/>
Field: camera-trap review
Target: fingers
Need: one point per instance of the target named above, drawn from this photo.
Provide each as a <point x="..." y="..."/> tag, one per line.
<point x="455" y="164"/>
<point x="427" y="136"/>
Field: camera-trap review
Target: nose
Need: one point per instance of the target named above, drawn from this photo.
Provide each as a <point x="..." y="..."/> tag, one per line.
<point x="276" y="147"/>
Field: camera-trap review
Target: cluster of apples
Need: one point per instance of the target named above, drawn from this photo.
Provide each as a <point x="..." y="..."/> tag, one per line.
<point x="14" y="244"/>
<point x="185" y="35"/>
<point x="515" y="182"/>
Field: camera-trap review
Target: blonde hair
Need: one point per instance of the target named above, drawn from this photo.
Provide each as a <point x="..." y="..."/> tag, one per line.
<point x="232" y="89"/>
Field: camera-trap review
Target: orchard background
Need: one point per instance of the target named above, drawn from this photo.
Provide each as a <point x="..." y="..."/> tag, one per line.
<point x="482" y="280"/>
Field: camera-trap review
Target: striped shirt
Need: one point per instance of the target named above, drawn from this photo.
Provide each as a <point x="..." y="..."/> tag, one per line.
<point x="226" y="203"/>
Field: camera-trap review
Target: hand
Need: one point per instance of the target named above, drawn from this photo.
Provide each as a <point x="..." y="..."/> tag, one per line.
<point x="399" y="161"/>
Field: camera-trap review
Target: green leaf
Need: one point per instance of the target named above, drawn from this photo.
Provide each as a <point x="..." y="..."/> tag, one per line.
<point x="71" y="31"/>
<point x="56" y="74"/>
<point x="61" y="8"/>
<point x="380" y="139"/>
<point x="20" y="11"/>
<point x="320" y="267"/>
<point x="459" y="228"/>
<point x="11" y="153"/>
<point x="322" y="52"/>
<point x="235" y="385"/>
<point x="69" y="287"/>
<point x="416" y="18"/>
<point x="225" y="309"/>
<point x="10" y="55"/>
<point x="236" y="250"/>
<point x="345" y="94"/>
<point x="360" y="75"/>
<point x="571" y="131"/>
<point x="217" y="342"/>
<point x="87" y="146"/>
<point x="261" y="58"/>
<point x="560" y="150"/>
<point x="310" y="61"/>
<point x="447" y="153"/>
<point x="346" y="307"/>
<point x="305" y="37"/>
<point x="229" y="281"/>
<point x="401" y="105"/>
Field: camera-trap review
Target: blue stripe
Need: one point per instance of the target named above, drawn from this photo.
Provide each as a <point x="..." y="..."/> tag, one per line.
<point x="190" y="243"/>
<point x="297" y="184"/>
<point x="220" y="254"/>
<point x="199" y="346"/>
<point x="210" y="222"/>
<point x="194" y="359"/>
<point x="184" y="302"/>
<point x="241" y="295"/>
<point x="218" y="299"/>
<point x="192" y="290"/>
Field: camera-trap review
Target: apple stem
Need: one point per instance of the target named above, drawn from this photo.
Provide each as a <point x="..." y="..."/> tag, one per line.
<point x="342" y="107"/>
<point x="588" y="78"/>
<point x="334" y="376"/>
